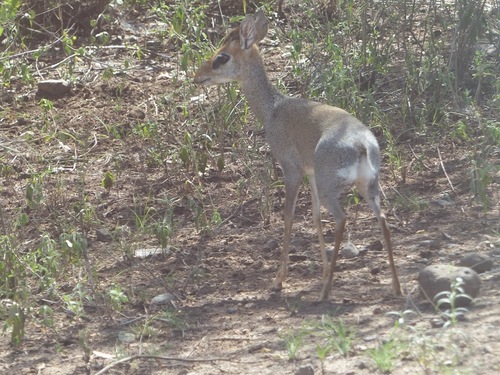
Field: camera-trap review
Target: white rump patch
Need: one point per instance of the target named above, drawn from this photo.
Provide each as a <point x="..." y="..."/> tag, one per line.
<point x="361" y="172"/>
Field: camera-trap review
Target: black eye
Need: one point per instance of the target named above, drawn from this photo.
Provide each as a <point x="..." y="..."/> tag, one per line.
<point x="221" y="59"/>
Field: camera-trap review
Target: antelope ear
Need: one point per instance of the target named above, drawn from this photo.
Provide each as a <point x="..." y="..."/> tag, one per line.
<point x="253" y="29"/>
<point x="261" y="24"/>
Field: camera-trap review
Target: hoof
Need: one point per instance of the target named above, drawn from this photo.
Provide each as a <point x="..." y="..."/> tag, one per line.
<point x="324" y="296"/>
<point x="398" y="292"/>
<point x="396" y="288"/>
<point x="277" y="286"/>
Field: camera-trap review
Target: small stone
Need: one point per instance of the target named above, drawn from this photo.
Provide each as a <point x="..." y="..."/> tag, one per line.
<point x="349" y="250"/>
<point x="446" y="237"/>
<point x="297" y="257"/>
<point x="232" y="310"/>
<point x="375" y="246"/>
<point x="271" y="245"/>
<point x="162" y="299"/>
<point x="53" y="88"/>
<point x="438" y="278"/>
<point x="378" y="310"/>
<point x="437" y="323"/>
<point x="370" y="337"/>
<point x="148" y="251"/>
<point x="362" y="364"/>
<point x="478" y="262"/>
<point x="126" y="337"/>
<point x="430" y="244"/>
<point x="426" y="254"/>
<point x="103" y="235"/>
<point x="300" y="242"/>
<point x="443" y="202"/>
<point x="305" y="370"/>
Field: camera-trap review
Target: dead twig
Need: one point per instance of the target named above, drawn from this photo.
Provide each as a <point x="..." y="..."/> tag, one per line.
<point x="444" y="170"/>
<point x="160" y="358"/>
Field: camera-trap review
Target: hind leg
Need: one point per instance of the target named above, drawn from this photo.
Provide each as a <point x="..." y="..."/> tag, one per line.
<point x="317" y="222"/>
<point x="340" y="220"/>
<point x="371" y="194"/>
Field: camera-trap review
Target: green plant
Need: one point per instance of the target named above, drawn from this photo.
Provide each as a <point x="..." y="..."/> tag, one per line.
<point x="436" y="351"/>
<point x="14" y="316"/>
<point x="174" y="318"/>
<point x="407" y="200"/>
<point x="85" y="344"/>
<point x="482" y="172"/>
<point x="73" y="246"/>
<point x="146" y="330"/>
<point x="337" y="334"/>
<point x="8" y="10"/>
<point x="117" y="297"/>
<point x="45" y="263"/>
<point x="74" y="302"/>
<point x="293" y="342"/>
<point x="186" y="28"/>
<point x="12" y="270"/>
<point x="322" y="352"/>
<point x="108" y="180"/>
<point x="448" y="300"/>
<point x="200" y="216"/>
<point x="386" y="354"/>
<point x="34" y="191"/>
<point x="46" y="314"/>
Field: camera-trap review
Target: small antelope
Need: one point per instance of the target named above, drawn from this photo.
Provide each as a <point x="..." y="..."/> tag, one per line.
<point x="333" y="148"/>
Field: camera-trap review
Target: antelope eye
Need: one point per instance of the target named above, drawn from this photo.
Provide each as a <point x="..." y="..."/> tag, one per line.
<point x="221" y="59"/>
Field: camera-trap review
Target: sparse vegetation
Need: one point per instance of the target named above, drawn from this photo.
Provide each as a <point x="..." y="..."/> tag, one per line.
<point x="386" y="354"/>
<point x="136" y="149"/>
<point x="448" y="302"/>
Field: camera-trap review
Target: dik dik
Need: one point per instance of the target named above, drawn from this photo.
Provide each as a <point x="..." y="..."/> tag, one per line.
<point x="334" y="149"/>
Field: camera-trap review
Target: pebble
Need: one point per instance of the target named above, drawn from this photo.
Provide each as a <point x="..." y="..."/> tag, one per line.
<point x="478" y="262"/>
<point x="53" y="88"/>
<point x="162" y="299"/>
<point x="349" y="251"/>
<point x="103" y="235"/>
<point x="305" y="370"/>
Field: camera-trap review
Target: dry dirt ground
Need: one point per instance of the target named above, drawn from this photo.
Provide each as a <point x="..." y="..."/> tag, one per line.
<point x="224" y="319"/>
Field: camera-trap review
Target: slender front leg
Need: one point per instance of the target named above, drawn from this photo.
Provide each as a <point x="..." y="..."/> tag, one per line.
<point x="396" y="286"/>
<point x="292" y="185"/>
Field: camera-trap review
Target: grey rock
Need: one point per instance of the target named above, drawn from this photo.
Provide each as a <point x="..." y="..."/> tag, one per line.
<point x="370" y="337"/>
<point x="53" y="88"/>
<point x="104" y="235"/>
<point x="430" y="244"/>
<point x="300" y="242"/>
<point x="362" y="364"/>
<point x="297" y="257"/>
<point x="375" y="246"/>
<point x="437" y="323"/>
<point x="478" y="262"/>
<point x="438" y="278"/>
<point x="349" y="250"/>
<point x="148" y="252"/>
<point x="443" y="202"/>
<point x="162" y="299"/>
<point x="305" y="370"/>
<point x="232" y="310"/>
<point x="126" y="337"/>
<point x="271" y="245"/>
